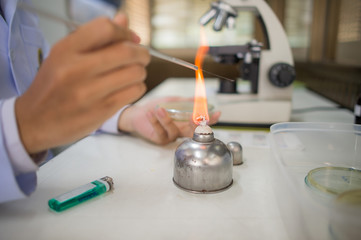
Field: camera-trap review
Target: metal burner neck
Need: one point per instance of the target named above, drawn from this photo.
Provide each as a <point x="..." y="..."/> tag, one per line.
<point x="203" y="137"/>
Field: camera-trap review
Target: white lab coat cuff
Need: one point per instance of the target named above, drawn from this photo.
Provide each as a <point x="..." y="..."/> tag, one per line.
<point x="20" y="159"/>
<point x="111" y="125"/>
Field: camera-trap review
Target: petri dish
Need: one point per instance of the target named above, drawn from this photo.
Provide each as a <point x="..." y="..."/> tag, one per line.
<point x="334" y="180"/>
<point x="352" y="197"/>
<point x="181" y="110"/>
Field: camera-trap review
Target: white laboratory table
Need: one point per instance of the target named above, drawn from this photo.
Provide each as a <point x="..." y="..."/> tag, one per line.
<point x="307" y="106"/>
<point x="145" y="204"/>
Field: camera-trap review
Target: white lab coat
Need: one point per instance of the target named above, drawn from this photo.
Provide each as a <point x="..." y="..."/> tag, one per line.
<point x="21" y="41"/>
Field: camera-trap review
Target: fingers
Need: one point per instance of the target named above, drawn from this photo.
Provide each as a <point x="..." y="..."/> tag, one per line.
<point x="116" y="56"/>
<point x="113" y="102"/>
<point x="167" y="123"/>
<point x="121" y="19"/>
<point x="121" y="98"/>
<point x="116" y="80"/>
<point x="121" y="92"/>
<point x="104" y="71"/>
<point x="98" y="33"/>
<point x="164" y="129"/>
<point x="105" y="81"/>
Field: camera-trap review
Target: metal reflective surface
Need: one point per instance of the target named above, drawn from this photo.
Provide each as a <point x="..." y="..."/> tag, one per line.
<point x="203" y="164"/>
<point x="237" y="154"/>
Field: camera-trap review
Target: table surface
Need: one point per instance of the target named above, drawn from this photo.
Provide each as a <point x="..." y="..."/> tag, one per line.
<point x="307" y="106"/>
<point x="145" y="204"/>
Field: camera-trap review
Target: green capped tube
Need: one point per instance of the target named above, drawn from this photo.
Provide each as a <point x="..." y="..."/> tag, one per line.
<point x="81" y="194"/>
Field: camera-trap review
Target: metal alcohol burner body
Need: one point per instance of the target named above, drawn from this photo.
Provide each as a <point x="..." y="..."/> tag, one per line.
<point x="203" y="164"/>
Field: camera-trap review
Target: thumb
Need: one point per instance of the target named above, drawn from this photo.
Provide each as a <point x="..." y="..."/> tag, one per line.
<point x="121" y="19"/>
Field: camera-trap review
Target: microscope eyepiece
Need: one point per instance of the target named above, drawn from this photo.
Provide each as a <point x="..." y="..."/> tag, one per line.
<point x="209" y="15"/>
<point x="223" y="13"/>
<point x="220" y="20"/>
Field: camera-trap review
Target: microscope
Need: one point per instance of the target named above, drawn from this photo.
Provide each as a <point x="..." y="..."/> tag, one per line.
<point x="270" y="71"/>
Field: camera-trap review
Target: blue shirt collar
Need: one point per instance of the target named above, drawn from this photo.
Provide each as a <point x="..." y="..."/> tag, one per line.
<point x="8" y="8"/>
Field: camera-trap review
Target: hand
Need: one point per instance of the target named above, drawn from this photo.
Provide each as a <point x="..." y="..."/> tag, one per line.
<point x="88" y="76"/>
<point x="155" y="125"/>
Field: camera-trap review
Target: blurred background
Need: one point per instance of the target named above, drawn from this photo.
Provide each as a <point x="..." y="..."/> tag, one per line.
<point x="325" y="37"/>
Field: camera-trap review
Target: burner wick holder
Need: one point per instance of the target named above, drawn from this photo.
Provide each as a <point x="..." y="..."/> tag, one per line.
<point x="203" y="164"/>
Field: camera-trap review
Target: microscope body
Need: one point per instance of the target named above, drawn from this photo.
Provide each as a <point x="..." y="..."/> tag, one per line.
<point x="270" y="71"/>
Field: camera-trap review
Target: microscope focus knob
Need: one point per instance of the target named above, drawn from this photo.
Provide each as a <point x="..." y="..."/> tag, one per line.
<point x="282" y="74"/>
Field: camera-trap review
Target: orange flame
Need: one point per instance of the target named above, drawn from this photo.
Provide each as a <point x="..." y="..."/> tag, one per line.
<point x="200" y="108"/>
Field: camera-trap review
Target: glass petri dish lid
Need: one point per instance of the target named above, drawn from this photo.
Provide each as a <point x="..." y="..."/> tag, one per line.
<point x="181" y="110"/>
<point x="352" y="197"/>
<point x="334" y="180"/>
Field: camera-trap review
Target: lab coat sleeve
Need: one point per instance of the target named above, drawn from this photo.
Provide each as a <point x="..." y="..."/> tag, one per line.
<point x="20" y="159"/>
<point x="111" y="125"/>
<point x="13" y="185"/>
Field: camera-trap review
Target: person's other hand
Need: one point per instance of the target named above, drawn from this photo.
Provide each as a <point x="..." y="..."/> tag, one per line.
<point x="88" y="76"/>
<point x="154" y="123"/>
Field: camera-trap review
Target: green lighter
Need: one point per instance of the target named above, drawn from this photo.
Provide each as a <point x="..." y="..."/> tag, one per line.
<point x="81" y="194"/>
